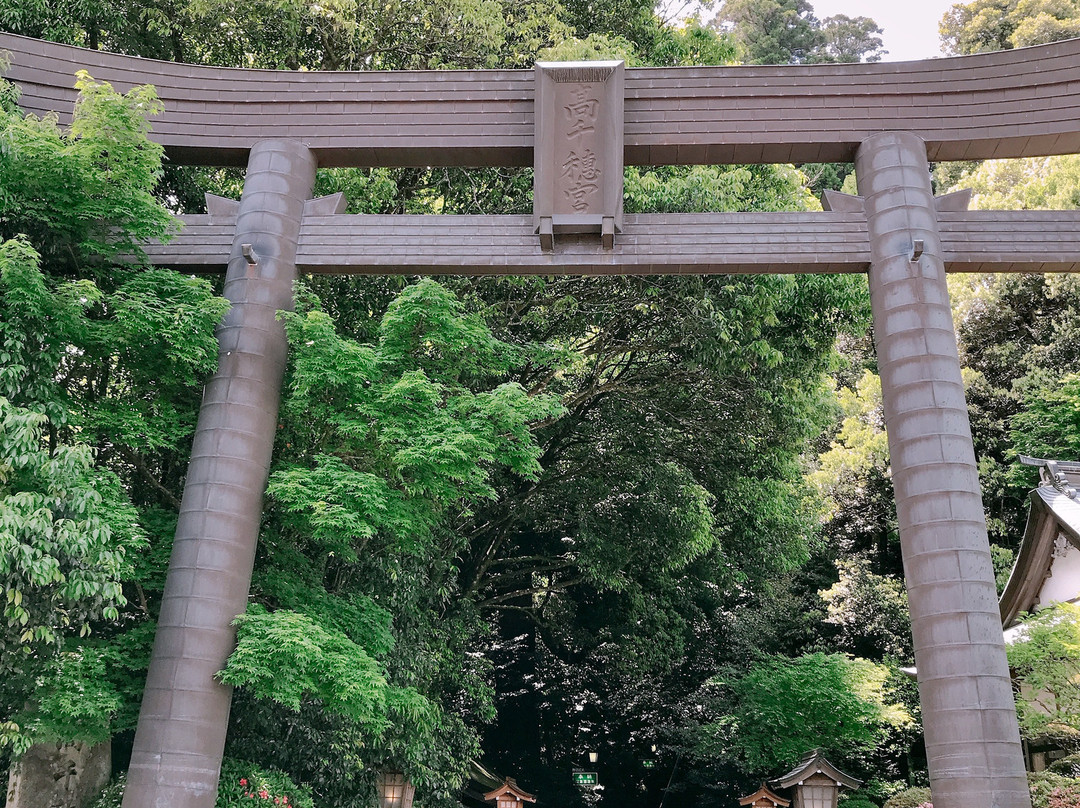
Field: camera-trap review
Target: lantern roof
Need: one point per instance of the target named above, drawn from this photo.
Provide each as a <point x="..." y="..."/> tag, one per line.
<point x="510" y="786"/>
<point x="764" y="793"/>
<point x="813" y="762"/>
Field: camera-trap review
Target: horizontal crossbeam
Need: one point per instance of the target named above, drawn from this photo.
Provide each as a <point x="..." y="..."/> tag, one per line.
<point x="1017" y="103"/>
<point x="706" y="243"/>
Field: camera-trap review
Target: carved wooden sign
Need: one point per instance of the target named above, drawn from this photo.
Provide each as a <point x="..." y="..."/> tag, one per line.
<point x="578" y="185"/>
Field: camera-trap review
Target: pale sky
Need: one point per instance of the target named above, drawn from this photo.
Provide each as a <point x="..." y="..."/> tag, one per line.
<point x="911" y="26"/>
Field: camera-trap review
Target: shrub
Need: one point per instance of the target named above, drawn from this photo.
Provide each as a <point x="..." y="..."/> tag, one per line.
<point x="242" y="785"/>
<point x="908" y="798"/>
<point x="245" y="785"/>
<point x="111" y="795"/>
<point x="1067" y="766"/>
<point x="1050" y="790"/>
<point x="878" y="791"/>
<point x="858" y="801"/>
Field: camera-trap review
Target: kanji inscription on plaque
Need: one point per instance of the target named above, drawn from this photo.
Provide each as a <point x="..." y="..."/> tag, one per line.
<point x="579" y="149"/>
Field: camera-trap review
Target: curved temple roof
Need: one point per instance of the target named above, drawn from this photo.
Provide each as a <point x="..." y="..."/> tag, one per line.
<point x="1017" y="103"/>
<point x="1055" y="512"/>
<point x="813" y="762"/>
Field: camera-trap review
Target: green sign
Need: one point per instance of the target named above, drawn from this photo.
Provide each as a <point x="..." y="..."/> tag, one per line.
<point x="586" y="779"/>
<point x="648" y="763"/>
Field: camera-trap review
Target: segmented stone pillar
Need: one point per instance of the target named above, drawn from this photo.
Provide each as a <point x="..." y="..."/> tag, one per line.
<point x="181" y="732"/>
<point x="969" y="718"/>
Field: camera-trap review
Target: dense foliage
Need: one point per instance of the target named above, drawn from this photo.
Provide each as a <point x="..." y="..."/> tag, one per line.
<point x="783" y="707"/>
<point x="243" y="785"/>
<point x="1045" y="660"/>
<point x="769" y="32"/>
<point x="989" y="25"/>
<point x="518" y="517"/>
<point x="96" y="354"/>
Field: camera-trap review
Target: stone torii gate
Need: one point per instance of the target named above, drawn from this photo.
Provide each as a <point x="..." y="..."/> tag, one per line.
<point x="578" y="123"/>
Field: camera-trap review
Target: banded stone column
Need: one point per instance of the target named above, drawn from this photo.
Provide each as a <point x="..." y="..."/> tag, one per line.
<point x="972" y="739"/>
<point x="180" y="737"/>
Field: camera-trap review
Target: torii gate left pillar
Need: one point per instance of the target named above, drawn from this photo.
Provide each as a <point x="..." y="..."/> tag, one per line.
<point x="180" y="739"/>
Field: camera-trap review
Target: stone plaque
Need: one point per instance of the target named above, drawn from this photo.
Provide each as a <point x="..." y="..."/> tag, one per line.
<point x="578" y="186"/>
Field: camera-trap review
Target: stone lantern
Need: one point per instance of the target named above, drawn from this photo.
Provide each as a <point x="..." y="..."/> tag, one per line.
<point x="509" y="795"/>
<point x="764" y="798"/>
<point x="816" y="782"/>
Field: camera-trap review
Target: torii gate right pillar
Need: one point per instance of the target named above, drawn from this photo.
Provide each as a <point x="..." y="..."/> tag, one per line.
<point x="969" y="717"/>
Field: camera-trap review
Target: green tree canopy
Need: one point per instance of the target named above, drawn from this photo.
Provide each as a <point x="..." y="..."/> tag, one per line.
<point x="783" y="707"/>
<point x="100" y="361"/>
<point x="1045" y="661"/>
<point x="776" y="32"/>
<point x="991" y="25"/>
<point x="772" y="32"/>
<point x="850" y="39"/>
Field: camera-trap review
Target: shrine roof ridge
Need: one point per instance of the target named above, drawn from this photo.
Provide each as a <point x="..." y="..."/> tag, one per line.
<point x="1018" y="103"/>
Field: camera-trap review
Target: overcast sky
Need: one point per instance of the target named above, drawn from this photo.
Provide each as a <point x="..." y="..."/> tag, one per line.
<point x="911" y="26"/>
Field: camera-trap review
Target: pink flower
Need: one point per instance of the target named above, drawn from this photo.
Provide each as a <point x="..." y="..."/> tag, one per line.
<point x="243" y="781"/>
<point x="264" y="794"/>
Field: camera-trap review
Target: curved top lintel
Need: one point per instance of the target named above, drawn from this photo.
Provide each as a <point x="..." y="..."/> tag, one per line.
<point x="1019" y="103"/>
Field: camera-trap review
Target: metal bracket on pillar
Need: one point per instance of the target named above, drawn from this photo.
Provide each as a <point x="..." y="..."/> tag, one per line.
<point x="249" y="253"/>
<point x="917" y="247"/>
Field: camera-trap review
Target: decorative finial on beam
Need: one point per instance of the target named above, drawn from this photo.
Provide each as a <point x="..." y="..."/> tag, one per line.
<point x="840" y="202"/>
<point x="956" y="202"/>
<point x="221" y="207"/>
<point x="326" y="205"/>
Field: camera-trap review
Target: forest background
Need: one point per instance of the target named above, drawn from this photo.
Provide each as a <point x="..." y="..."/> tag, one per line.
<point x="509" y="519"/>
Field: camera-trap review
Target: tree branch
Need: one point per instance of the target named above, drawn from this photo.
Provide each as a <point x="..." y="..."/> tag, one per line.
<point x="148" y="476"/>
<point x="518" y="593"/>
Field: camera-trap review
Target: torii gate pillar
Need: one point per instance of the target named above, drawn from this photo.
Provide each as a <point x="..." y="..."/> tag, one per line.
<point x="180" y="737"/>
<point x="969" y="718"/>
